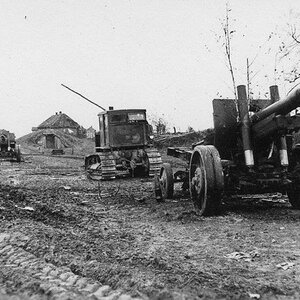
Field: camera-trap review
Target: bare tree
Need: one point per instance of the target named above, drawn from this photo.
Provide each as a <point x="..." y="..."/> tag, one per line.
<point x="289" y="51"/>
<point x="227" y="43"/>
<point x="228" y="34"/>
<point x="158" y="123"/>
<point x="254" y="70"/>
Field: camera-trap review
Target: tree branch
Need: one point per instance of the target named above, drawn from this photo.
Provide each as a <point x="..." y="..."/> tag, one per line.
<point x="294" y="35"/>
<point x="228" y="49"/>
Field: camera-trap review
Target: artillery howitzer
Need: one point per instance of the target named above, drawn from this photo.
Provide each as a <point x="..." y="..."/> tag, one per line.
<point x="253" y="152"/>
<point x="9" y="150"/>
<point x="123" y="145"/>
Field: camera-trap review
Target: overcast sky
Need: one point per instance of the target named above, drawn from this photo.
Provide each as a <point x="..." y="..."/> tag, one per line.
<point x="164" y="56"/>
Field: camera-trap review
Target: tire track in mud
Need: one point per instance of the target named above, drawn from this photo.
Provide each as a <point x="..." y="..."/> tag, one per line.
<point x="36" y="279"/>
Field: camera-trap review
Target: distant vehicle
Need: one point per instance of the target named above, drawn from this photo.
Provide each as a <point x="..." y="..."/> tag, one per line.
<point x="123" y="146"/>
<point x="9" y="150"/>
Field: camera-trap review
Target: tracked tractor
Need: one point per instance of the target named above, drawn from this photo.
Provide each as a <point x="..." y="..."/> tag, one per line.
<point x="123" y="145"/>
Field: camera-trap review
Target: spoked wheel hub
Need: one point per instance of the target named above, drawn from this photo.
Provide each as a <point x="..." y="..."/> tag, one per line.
<point x="198" y="184"/>
<point x="164" y="183"/>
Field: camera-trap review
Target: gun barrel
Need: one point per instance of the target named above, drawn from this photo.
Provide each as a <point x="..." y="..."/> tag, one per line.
<point x="282" y="107"/>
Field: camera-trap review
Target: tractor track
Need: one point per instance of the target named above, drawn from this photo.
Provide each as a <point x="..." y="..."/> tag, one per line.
<point x="44" y="280"/>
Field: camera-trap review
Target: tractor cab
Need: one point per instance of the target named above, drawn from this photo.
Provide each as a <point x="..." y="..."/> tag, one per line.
<point x="122" y="129"/>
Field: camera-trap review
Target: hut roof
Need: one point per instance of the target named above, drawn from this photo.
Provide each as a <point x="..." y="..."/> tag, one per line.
<point x="59" y="120"/>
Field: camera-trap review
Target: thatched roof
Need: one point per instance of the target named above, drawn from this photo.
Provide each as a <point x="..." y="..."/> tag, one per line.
<point x="59" y="120"/>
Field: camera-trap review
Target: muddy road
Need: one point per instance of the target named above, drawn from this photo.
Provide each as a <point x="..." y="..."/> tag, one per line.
<point x="64" y="237"/>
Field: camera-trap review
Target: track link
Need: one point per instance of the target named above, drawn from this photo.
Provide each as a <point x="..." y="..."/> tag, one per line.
<point x="108" y="165"/>
<point x="155" y="161"/>
<point x="23" y="269"/>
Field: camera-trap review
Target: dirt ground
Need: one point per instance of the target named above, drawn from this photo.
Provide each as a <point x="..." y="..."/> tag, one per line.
<point x="64" y="237"/>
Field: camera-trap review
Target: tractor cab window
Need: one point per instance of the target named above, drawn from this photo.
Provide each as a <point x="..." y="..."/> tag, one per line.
<point x="118" y="118"/>
<point x="136" y="117"/>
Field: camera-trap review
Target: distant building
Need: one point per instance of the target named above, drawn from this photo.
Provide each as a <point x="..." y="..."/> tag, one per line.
<point x="90" y="133"/>
<point x="47" y="140"/>
<point x="62" y="122"/>
<point x="50" y="140"/>
<point x="58" y="132"/>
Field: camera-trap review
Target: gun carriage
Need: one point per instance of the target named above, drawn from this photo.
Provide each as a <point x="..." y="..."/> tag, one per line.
<point x="254" y="151"/>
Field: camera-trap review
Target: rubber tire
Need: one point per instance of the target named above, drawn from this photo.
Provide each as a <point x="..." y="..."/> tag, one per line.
<point x="206" y="180"/>
<point x="167" y="187"/>
<point x="294" y="191"/>
<point x="294" y="197"/>
<point x="157" y="189"/>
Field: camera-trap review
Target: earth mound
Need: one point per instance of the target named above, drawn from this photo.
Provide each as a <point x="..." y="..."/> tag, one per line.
<point x="184" y="139"/>
<point x="31" y="143"/>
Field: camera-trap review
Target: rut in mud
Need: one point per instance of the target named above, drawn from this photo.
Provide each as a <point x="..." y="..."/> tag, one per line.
<point x="115" y="234"/>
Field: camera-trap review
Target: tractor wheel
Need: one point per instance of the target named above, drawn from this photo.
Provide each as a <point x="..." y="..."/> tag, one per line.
<point x="294" y="191"/>
<point x="206" y="180"/>
<point x="93" y="167"/>
<point x="90" y="160"/>
<point x="166" y="181"/>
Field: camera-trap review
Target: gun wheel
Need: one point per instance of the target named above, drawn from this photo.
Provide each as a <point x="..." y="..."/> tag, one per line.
<point x="294" y="197"/>
<point x="294" y="191"/>
<point x="206" y="180"/>
<point x="166" y="181"/>
<point x="157" y="189"/>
